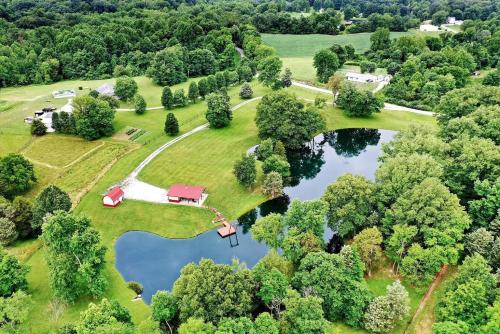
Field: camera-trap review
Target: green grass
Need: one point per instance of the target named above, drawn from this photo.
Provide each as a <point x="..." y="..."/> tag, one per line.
<point x="297" y="51"/>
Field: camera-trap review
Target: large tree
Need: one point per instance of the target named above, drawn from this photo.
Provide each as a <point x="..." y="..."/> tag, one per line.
<point x="326" y="63"/>
<point x="168" y="67"/>
<point x="351" y="204"/>
<point x="380" y="39"/>
<point x="269" y="71"/>
<point x="106" y="317"/>
<point x="272" y="290"/>
<point x="125" y="88"/>
<point x="303" y="314"/>
<point x="269" y="229"/>
<point x="213" y="291"/>
<point x="93" y="117"/>
<point x="74" y="256"/>
<point x="47" y="202"/>
<point x="164" y="308"/>
<point x="219" y="113"/>
<point x="281" y="116"/>
<point x="356" y="102"/>
<point x="368" y="244"/>
<point x="17" y="175"/>
<point x="12" y="275"/>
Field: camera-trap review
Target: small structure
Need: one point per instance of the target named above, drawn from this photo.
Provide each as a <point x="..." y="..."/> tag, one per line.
<point x="476" y="73"/>
<point x="63" y="93"/>
<point x="183" y="193"/>
<point x="428" y="27"/>
<point x="106" y="89"/>
<point x="113" y="198"/>
<point x="366" y="77"/>
<point x="453" y="20"/>
<point x="227" y="230"/>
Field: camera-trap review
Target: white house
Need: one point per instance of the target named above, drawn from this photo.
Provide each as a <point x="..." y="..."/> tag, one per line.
<point x="113" y="198"/>
<point x="106" y="89"/>
<point x="428" y="27"/>
<point x="453" y="20"/>
<point x="45" y="115"/>
<point x="366" y="77"/>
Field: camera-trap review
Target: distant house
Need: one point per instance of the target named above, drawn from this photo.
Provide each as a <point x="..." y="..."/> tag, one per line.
<point x="453" y="20"/>
<point x="113" y="198"/>
<point x="183" y="193"/>
<point x="428" y="27"/>
<point x="366" y="77"/>
<point x="45" y="115"/>
<point x="63" y="93"/>
<point x="106" y="89"/>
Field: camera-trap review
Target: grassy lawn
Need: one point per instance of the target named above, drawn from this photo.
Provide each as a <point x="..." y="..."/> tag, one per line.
<point x="297" y="51"/>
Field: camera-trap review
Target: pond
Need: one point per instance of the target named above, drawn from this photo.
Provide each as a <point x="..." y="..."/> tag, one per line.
<point x="156" y="262"/>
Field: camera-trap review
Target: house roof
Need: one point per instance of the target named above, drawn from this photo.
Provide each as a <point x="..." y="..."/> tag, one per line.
<point x="115" y="193"/>
<point x="106" y="89"/>
<point x="185" y="191"/>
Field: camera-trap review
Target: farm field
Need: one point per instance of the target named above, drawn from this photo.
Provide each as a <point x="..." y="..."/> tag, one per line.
<point x="297" y="51"/>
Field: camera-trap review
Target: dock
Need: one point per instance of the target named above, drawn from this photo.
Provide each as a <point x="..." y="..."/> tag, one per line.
<point x="226" y="230"/>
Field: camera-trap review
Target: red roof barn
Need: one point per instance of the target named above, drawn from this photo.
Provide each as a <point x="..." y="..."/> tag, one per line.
<point x="113" y="198"/>
<point x="182" y="192"/>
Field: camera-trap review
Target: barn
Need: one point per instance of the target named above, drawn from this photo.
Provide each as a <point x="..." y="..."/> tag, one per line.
<point x="113" y="198"/>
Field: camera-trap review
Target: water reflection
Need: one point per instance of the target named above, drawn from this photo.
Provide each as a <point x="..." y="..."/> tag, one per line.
<point x="156" y="262"/>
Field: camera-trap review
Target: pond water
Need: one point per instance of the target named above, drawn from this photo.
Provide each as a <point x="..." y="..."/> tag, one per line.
<point x="156" y="262"/>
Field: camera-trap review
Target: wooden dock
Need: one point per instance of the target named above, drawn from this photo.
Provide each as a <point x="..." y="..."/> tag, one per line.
<point x="226" y="230"/>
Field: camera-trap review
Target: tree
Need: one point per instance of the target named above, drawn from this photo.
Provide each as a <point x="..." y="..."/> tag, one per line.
<point x="17" y="175"/>
<point x="480" y="241"/>
<point x="367" y="66"/>
<point x="168" y="67"/>
<point x="384" y="312"/>
<point x="272" y="291"/>
<point x="273" y="185"/>
<point x="399" y="242"/>
<point x="246" y="91"/>
<point x="50" y="200"/>
<point x="492" y="78"/>
<point x="439" y="17"/>
<point x="164" y="308"/>
<point x="219" y="113"/>
<point x="171" y="125"/>
<point x="212" y="84"/>
<point x="193" y="92"/>
<point x="74" y="256"/>
<point x="38" y="128"/>
<point x="214" y="291"/>
<point x="203" y="88"/>
<point x="367" y="243"/>
<point x="351" y="204"/>
<point x="167" y="98"/>
<point x="241" y="325"/>
<point x="380" y="39"/>
<point x="286" y="78"/>
<point x="281" y="116"/>
<point x="485" y="209"/>
<point x="269" y="71"/>
<point x="125" y="88"/>
<point x="493" y="319"/>
<point x="264" y="323"/>
<point x="449" y="327"/>
<point x="139" y="104"/>
<point x="326" y="63"/>
<point x="8" y="233"/>
<point x="148" y="326"/>
<point x="105" y="317"/>
<point x="14" y="311"/>
<point x="93" y="117"/>
<point x="278" y="164"/>
<point x="12" y="274"/>
<point x="179" y="99"/>
<point x="296" y="245"/>
<point x="307" y="216"/>
<point x="244" y="73"/>
<point x="22" y="215"/>
<point x="196" y="326"/>
<point x="245" y="170"/>
<point x="221" y="81"/>
<point x="270" y="230"/>
<point x="303" y="314"/>
<point x="436" y="212"/>
<point x="356" y="102"/>
<point x="421" y="265"/>
<point x="334" y="83"/>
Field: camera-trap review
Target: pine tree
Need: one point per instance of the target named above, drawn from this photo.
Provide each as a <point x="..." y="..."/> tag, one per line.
<point x="171" y="125"/>
<point x="38" y="128"/>
<point x="193" y="92"/>
<point x="167" y="98"/>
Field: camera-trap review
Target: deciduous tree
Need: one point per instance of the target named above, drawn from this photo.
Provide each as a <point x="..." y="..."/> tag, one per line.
<point x="17" y="175"/>
<point x="273" y="185"/>
<point x="356" y="102"/>
<point x="12" y="274"/>
<point x="139" y="104"/>
<point x="164" y="308"/>
<point x="245" y="170"/>
<point x="93" y="117"/>
<point x="269" y="71"/>
<point x="125" y="88"/>
<point x="219" y="113"/>
<point x="303" y="314"/>
<point x="326" y="63"/>
<point x="270" y="230"/>
<point x="368" y="244"/>
<point x="51" y="199"/>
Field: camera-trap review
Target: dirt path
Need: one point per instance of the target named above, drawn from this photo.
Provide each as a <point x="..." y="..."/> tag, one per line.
<point x="423" y="302"/>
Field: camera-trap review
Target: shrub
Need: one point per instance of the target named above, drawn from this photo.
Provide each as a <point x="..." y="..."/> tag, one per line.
<point x="38" y="128"/>
<point x="246" y="91"/>
<point x="139" y="104"/>
<point x="171" y="125"/>
<point x="367" y="66"/>
<point x="179" y="99"/>
<point x="8" y="233"/>
<point x="136" y="287"/>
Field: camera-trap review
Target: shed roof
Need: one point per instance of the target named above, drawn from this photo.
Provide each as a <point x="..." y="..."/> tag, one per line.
<point x="115" y="193"/>
<point x="185" y="191"/>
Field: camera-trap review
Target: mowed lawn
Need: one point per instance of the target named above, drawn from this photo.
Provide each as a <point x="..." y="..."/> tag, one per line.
<point x="297" y="51"/>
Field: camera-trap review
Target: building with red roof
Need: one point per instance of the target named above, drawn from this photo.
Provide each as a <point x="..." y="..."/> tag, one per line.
<point x="113" y="198"/>
<point x="181" y="192"/>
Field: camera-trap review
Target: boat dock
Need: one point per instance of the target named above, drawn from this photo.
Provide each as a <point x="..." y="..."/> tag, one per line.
<point x="226" y="230"/>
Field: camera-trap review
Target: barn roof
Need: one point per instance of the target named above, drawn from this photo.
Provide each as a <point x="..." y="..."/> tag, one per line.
<point x="115" y="193"/>
<point x="185" y="191"/>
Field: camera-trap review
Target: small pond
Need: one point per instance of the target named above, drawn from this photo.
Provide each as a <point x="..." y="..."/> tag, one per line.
<point x="156" y="262"/>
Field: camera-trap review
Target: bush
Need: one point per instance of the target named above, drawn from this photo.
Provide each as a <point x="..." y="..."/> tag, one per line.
<point x="319" y="102"/>
<point x="136" y="287"/>
<point x="8" y="233"/>
<point x="246" y="91"/>
<point x="139" y="104"/>
<point x="125" y="88"/>
<point x="276" y="163"/>
<point x="273" y="185"/>
<point x="179" y="99"/>
<point x="356" y="102"/>
<point x="38" y="128"/>
<point x="492" y="78"/>
<point x="367" y="66"/>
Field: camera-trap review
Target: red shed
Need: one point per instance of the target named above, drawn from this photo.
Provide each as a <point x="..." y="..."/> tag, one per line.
<point x="182" y="192"/>
<point x="113" y="198"/>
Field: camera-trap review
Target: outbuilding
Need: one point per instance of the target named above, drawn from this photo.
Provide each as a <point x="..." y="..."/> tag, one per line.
<point x="183" y="193"/>
<point x="113" y="198"/>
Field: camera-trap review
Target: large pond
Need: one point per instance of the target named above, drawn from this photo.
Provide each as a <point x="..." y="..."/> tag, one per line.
<point x="156" y="262"/>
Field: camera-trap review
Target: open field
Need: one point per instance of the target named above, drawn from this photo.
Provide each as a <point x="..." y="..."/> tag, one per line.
<point x="205" y="158"/>
<point x="297" y="51"/>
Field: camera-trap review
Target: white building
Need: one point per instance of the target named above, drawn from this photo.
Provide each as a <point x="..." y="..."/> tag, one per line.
<point x="428" y="27"/>
<point x="46" y="115"/>
<point x="63" y="93"/>
<point x="106" y="89"/>
<point x="453" y="20"/>
<point x="366" y="77"/>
